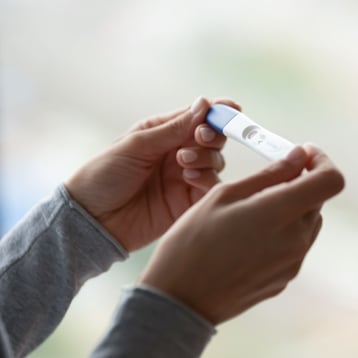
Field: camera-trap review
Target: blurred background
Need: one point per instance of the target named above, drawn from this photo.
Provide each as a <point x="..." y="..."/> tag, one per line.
<point x="76" y="74"/>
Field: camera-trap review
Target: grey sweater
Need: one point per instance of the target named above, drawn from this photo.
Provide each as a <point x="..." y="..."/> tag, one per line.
<point x="46" y="259"/>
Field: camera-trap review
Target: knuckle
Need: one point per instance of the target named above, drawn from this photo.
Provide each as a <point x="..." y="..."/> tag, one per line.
<point x="219" y="192"/>
<point x="300" y="249"/>
<point x="136" y="138"/>
<point x="273" y="173"/>
<point x="295" y="263"/>
<point x="219" y="189"/>
<point x="337" y="179"/>
<point x="333" y="180"/>
<point x="277" y="290"/>
<point x="294" y="270"/>
<point x="177" y="126"/>
<point x="148" y="123"/>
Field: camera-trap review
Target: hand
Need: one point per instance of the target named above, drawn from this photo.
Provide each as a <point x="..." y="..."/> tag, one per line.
<point x="139" y="186"/>
<point x="245" y="241"/>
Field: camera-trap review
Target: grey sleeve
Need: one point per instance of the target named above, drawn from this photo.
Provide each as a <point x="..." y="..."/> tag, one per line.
<point x="150" y="324"/>
<point x="44" y="261"/>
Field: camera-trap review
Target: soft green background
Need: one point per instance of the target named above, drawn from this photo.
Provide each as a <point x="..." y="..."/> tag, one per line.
<point x="76" y="74"/>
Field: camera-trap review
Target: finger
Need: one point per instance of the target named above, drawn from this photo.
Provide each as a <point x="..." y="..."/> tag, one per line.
<point x="318" y="158"/>
<point x="200" y="158"/>
<point x="203" y="179"/>
<point x="158" y="120"/>
<point x="309" y="191"/>
<point x="277" y="173"/>
<point x="155" y="141"/>
<point x="205" y="136"/>
<point x="228" y="102"/>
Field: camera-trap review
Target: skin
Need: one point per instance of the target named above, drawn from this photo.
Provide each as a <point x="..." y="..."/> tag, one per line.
<point x="246" y="240"/>
<point x="226" y="246"/>
<point x="139" y="186"/>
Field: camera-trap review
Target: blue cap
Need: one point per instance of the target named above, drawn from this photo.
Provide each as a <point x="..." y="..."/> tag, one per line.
<point x="220" y="115"/>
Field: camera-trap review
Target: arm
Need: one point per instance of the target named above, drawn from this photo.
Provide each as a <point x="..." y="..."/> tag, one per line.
<point x="238" y="246"/>
<point x="123" y="183"/>
<point x="246" y="240"/>
<point x="44" y="261"/>
<point x="47" y="257"/>
<point x="149" y="323"/>
<point x="5" y="346"/>
<point x="41" y="278"/>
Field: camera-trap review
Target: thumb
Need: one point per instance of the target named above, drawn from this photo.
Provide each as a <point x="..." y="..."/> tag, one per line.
<point x="172" y="132"/>
<point x="277" y="173"/>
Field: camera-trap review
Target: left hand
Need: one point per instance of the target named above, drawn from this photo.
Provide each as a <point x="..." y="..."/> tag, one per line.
<point x="140" y="185"/>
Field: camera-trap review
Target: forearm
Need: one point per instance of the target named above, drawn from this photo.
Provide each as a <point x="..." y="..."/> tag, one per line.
<point x="44" y="261"/>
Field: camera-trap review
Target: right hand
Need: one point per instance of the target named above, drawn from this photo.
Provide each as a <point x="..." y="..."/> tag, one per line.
<point x="244" y="241"/>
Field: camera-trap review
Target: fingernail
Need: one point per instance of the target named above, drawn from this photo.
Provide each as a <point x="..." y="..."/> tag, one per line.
<point x="207" y="134"/>
<point x="196" y="106"/>
<point x="295" y="155"/>
<point x="188" y="156"/>
<point x="191" y="173"/>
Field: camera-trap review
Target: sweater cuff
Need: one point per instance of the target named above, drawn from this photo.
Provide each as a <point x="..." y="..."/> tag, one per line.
<point x="156" y="291"/>
<point x="151" y="324"/>
<point x="92" y="226"/>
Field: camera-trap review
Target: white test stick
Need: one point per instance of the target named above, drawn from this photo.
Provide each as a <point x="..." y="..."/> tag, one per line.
<point x="236" y="125"/>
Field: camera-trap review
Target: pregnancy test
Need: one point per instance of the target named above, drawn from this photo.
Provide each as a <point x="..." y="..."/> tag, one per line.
<point x="236" y="125"/>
